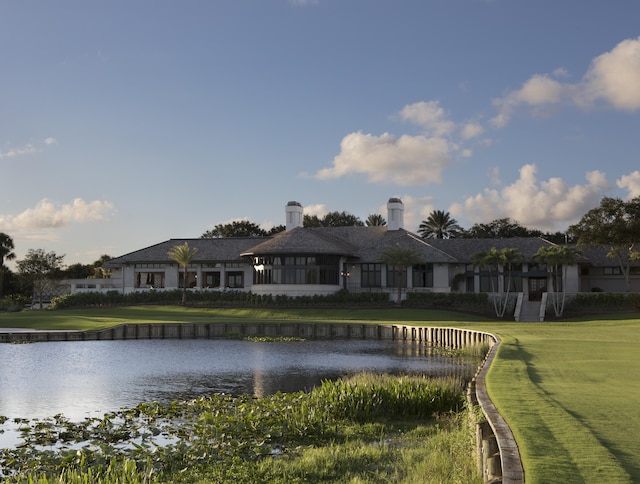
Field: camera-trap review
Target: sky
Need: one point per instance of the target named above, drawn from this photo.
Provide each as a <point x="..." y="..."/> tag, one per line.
<point x="125" y="123"/>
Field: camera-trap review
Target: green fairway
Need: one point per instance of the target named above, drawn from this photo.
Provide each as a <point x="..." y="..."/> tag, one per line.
<point x="570" y="393"/>
<point x="568" y="390"/>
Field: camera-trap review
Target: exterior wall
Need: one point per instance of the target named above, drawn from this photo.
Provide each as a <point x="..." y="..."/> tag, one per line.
<point x="595" y="279"/>
<point x="441" y="281"/>
<point x="295" y="290"/>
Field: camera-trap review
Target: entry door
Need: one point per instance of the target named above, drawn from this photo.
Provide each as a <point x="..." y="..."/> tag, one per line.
<point x="537" y="285"/>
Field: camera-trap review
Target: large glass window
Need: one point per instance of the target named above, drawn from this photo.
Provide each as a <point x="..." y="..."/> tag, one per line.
<point x="371" y="275"/>
<point x="296" y="269"/>
<point x="211" y="279"/>
<point x="192" y="279"/>
<point x="235" y="280"/>
<point x="392" y="275"/>
<point x="149" y="280"/>
<point x="423" y="275"/>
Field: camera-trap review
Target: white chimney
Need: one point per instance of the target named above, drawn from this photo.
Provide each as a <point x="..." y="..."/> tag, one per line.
<point x="395" y="214"/>
<point x="294" y="215"/>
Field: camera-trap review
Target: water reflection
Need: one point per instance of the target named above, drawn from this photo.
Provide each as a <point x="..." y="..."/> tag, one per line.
<point x="79" y="379"/>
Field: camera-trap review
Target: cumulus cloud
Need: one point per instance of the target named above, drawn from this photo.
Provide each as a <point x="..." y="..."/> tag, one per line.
<point x="405" y="160"/>
<point x="48" y="215"/>
<point x="28" y="149"/>
<point x="429" y="116"/>
<point x="471" y="130"/>
<point x="547" y="205"/>
<point x="319" y="210"/>
<point x="631" y="183"/>
<point x="613" y="78"/>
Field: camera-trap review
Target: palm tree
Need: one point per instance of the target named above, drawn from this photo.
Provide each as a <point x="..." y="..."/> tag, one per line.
<point x="6" y="253"/>
<point x="500" y="260"/>
<point x="400" y="258"/>
<point x="182" y="254"/>
<point x="375" y="220"/>
<point x="558" y="259"/>
<point x="439" y="225"/>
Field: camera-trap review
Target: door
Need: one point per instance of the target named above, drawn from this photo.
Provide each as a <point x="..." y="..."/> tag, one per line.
<point x="537" y="285"/>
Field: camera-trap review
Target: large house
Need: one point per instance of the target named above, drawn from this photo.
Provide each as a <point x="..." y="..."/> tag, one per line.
<point x="323" y="260"/>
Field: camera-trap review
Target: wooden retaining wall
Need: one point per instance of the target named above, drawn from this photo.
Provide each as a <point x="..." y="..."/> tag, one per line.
<point x="498" y="455"/>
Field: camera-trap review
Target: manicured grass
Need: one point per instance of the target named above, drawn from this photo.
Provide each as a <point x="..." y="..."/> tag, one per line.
<point x="100" y="318"/>
<point x="570" y="393"/>
<point x="568" y="390"/>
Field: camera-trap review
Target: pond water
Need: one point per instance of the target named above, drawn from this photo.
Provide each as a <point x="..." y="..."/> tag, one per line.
<point x="85" y="378"/>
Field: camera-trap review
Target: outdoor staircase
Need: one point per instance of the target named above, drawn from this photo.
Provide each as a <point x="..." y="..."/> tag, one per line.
<point x="530" y="311"/>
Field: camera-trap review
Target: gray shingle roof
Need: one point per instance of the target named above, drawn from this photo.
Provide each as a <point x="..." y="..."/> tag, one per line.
<point x="464" y="249"/>
<point x="215" y="249"/>
<point x="363" y="244"/>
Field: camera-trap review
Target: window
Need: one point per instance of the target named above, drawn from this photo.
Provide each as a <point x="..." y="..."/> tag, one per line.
<point x="371" y="275"/>
<point x="296" y="270"/>
<point x="611" y="271"/>
<point x="235" y="279"/>
<point x="423" y="275"/>
<point x="211" y="279"/>
<point x="149" y="280"/>
<point x="192" y="279"/>
<point x="392" y="275"/>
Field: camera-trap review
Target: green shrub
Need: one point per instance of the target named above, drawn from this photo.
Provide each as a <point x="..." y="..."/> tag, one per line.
<point x="13" y="302"/>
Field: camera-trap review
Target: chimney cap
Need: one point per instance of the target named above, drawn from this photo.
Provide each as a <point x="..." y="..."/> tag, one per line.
<point x="294" y="204"/>
<point x="394" y="200"/>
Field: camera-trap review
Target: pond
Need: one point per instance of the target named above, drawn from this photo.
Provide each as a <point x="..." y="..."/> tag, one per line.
<point x="78" y="378"/>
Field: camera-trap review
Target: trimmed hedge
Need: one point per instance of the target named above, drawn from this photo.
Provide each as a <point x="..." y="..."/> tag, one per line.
<point x="602" y="302"/>
<point x="215" y="298"/>
<point x="475" y="302"/>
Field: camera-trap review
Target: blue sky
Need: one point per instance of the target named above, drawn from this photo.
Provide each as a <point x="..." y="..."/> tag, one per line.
<point x="127" y="123"/>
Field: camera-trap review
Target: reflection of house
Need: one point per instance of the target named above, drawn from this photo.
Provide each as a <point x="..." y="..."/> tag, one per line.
<point x="324" y="260"/>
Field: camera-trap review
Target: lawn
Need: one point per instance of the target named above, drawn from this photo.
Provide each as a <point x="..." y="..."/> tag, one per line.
<point x="568" y="390"/>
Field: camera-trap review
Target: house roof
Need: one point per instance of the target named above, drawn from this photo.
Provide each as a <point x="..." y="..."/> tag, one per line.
<point x="355" y="242"/>
<point x="224" y="249"/>
<point x="464" y="249"/>
<point x="363" y="244"/>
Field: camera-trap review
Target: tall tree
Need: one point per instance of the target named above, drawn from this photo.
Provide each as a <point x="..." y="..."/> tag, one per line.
<point x="501" y="228"/>
<point x="182" y="255"/>
<point x="615" y="224"/>
<point x="332" y="219"/>
<point x="39" y="268"/>
<point x="400" y="258"/>
<point x="6" y="254"/>
<point x="498" y="262"/>
<point x="237" y="228"/>
<point x="557" y="259"/>
<point x="375" y="220"/>
<point x="439" y="225"/>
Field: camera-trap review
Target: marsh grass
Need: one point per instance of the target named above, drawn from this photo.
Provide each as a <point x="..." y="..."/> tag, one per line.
<point x="298" y="437"/>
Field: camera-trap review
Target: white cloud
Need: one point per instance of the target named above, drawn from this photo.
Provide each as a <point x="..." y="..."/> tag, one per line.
<point x="319" y="209"/>
<point x="50" y="141"/>
<point x="546" y="205"/>
<point x="630" y="182"/>
<point x="23" y="150"/>
<point x="429" y="116"/>
<point x="471" y="130"/>
<point x="612" y="78"/>
<point x="407" y="160"/>
<point x="537" y="91"/>
<point x="47" y="215"/>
